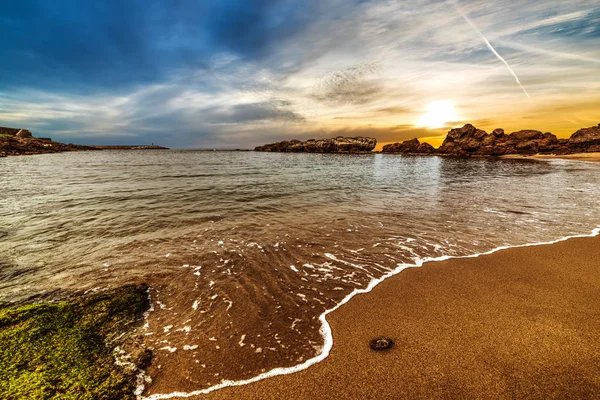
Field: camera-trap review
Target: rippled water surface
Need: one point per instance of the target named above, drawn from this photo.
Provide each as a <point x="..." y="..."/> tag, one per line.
<point x="245" y="250"/>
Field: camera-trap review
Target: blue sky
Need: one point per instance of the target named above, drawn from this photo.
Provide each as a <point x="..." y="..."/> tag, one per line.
<point x="240" y="73"/>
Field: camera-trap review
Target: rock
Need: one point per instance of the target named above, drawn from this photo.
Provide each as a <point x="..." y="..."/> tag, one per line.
<point x="585" y="139"/>
<point x="463" y="141"/>
<point x="412" y="146"/>
<point x="335" y="145"/>
<point x="8" y="131"/>
<point x="70" y="346"/>
<point x="499" y="132"/>
<point x="425" y="148"/>
<point x="469" y="141"/>
<point x="144" y="359"/>
<point x="526" y="135"/>
<point x="408" y="146"/>
<point x="22" y="142"/>
<point x="24" y="133"/>
<point x="381" y="343"/>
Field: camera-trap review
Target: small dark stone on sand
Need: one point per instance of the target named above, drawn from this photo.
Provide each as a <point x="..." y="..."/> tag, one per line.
<point x="381" y="343"/>
<point x="144" y="359"/>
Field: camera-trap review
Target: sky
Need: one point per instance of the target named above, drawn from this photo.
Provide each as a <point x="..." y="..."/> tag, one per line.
<point x="240" y="73"/>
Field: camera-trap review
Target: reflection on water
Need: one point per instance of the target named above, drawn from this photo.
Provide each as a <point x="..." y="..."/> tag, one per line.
<point x="245" y="250"/>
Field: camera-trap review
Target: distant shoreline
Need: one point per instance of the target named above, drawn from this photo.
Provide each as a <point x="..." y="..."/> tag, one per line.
<point x="132" y="147"/>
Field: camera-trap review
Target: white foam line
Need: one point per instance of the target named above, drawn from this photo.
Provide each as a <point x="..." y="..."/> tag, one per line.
<point x="325" y="330"/>
<point x="141" y="375"/>
<point x="334" y="258"/>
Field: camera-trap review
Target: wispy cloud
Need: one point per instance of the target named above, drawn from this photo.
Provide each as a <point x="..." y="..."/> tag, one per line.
<point x="236" y="74"/>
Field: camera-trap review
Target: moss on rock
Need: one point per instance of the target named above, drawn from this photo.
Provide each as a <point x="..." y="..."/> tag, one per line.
<point x="65" y="350"/>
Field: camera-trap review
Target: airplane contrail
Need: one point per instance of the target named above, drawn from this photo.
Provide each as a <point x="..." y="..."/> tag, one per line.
<point x="493" y="50"/>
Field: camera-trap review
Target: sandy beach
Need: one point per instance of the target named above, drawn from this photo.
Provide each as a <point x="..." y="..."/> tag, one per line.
<point x="519" y="323"/>
<point x="577" y="156"/>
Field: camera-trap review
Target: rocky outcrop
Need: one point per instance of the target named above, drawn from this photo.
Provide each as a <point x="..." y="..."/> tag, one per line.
<point x="4" y="131"/>
<point x="585" y="140"/>
<point x="143" y="147"/>
<point x="334" y="145"/>
<point x="469" y="141"/>
<point x="412" y="146"/>
<point x="14" y="145"/>
<point x="15" y="142"/>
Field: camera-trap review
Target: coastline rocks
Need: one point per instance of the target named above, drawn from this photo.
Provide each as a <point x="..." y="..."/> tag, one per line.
<point x="14" y="142"/>
<point x="585" y="140"/>
<point x="464" y="141"/>
<point x="126" y="147"/>
<point x="8" y="131"/>
<point x="335" y="145"/>
<point x="27" y="145"/>
<point x="470" y="141"/>
<point x="412" y="146"/>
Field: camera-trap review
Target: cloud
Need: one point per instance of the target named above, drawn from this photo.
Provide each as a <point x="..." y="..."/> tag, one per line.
<point x="351" y="85"/>
<point x="252" y="112"/>
<point x="238" y="73"/>
<point x="395" y="110"/>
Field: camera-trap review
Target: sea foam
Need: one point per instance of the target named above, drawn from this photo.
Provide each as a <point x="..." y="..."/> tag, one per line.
<point x="325" y="329"/>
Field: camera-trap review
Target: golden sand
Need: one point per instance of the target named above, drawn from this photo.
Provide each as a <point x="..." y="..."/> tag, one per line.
<point x="519" y="323"/>
<point x="577" y="156"/>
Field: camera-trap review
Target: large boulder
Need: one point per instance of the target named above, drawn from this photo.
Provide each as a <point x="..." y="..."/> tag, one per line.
<point x="465" y="141"/>
<point x="335" y="145"/>
<point x="354" y="145"/>
<point x="585" y="140"/>
<point x="470" y="141"/>
<point x="412" y="146"/>
<point x="530" y="141"/>
<point x="408" y="146"/>
<point x="425" y="148"/>
<point x="526" y="135"/>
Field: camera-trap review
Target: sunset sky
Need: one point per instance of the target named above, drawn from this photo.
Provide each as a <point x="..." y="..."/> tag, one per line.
<point x="230" y="74"/>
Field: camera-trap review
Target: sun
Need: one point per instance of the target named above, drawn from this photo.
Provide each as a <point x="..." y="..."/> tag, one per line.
<point x="438" y="114"/>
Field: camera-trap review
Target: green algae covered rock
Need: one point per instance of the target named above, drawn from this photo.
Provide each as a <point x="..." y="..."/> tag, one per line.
<point x="66" y="349"/>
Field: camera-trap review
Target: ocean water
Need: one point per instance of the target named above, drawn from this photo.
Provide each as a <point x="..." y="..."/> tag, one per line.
<point x="245" y="251"/>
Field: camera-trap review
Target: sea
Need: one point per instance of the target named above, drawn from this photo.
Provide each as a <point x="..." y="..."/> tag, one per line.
<point x="247" y="252"/>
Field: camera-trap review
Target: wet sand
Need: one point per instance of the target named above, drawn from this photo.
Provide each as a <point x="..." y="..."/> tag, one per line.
<point x="519" y="323"/>
<point x="577" y="156"/>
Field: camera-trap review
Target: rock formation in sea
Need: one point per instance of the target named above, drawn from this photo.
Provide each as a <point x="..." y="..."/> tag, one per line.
<point x="470" y="141"/>
<point x="586" y="140"/>
<point x="334" y="145"/>
<point x="413" y="146"/>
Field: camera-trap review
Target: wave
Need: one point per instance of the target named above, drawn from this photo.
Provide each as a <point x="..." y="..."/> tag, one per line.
<point x="326" y="331"/>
